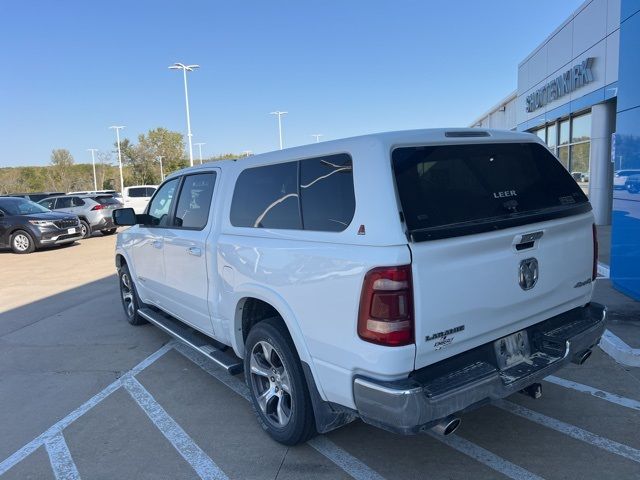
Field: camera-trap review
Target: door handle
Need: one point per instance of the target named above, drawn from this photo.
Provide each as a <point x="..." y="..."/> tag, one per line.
<point x="195" y="251"/>
<point x="157" y="243"/>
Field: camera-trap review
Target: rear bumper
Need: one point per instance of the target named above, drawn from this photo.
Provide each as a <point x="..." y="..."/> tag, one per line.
<point x="103" y="223"/>
<point x="472" y="378"/>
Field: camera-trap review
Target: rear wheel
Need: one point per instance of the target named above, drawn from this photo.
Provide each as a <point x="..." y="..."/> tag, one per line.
<point x="85" y="229"/>
<point x="277" y="385"/>
<point x="22" y="242"/>
<point x="130" y="301"/>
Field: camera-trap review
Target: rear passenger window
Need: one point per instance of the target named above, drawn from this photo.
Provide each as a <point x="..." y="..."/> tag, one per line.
<point x="78" y="202"/>
<point x="194" y="201"/>
<point x="267" y="197"/>
<point x="326" y="190"/>
<point x="313" y="194"/>
<point x="63" y="202"/>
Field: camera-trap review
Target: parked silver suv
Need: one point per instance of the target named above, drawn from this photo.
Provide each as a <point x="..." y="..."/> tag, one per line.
<point x="94" y="212"/>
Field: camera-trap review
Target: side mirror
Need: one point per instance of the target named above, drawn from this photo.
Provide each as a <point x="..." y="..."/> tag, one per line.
<point x="124" y="217"/>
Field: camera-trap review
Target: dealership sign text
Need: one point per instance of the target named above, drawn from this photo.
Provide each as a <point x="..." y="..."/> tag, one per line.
<point x="570" y="80"/>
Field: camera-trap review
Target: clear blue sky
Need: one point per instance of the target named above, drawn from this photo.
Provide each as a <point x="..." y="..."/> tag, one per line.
<point x="72" y="68"/>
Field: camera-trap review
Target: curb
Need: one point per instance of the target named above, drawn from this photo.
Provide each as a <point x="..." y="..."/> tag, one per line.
<point x="603" y="270"/>
<point x="617" y="349"/>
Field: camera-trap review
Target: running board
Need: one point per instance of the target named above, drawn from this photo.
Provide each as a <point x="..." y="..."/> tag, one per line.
<point x="209" y="347"/>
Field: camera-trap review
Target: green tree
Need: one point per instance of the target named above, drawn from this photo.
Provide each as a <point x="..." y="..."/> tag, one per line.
<point x="143" y="159"/>
<point x="60" y="170"/>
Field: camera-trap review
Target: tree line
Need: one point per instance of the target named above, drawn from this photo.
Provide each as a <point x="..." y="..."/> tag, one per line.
<point x="140" y="161"/>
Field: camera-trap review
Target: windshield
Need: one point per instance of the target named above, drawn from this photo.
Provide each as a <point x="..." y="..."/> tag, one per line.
<point x="20" y="206"/>
<point x="447" y="187"/>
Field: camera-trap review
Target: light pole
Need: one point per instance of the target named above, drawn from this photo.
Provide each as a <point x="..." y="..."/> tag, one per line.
<point x="185" y="69"/>
<point x="117" y="129"/>
<point x="93" y="161"/>
<point x="200" y="150"/>
<point x="246" y="153"/>
<point x="279" y="114"/>
<point x="317" y="136"/>
<point x="161" y="170"/>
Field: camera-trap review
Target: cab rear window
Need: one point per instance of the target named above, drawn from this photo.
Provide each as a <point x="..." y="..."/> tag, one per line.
<point x="451" y="190"/>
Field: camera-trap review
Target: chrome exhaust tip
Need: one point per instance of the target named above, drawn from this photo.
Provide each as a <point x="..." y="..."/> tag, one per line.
<point x="581" y="357"/>
<point x="447" y="426"/>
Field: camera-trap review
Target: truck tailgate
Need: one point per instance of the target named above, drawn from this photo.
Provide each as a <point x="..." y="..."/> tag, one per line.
<point x="467" y="290"/>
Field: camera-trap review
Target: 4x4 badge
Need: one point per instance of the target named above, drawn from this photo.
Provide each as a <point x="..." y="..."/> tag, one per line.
<point x="528" y="276"/>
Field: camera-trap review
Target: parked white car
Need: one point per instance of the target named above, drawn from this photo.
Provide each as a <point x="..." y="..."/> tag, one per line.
<point x="401" y="278"/>
<point x="138" y="196"/>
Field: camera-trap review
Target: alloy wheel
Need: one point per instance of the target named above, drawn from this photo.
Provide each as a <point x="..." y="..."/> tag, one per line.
<point x="21" y="242"/>
<point x="271" y="384"/>
<point x="127" y="294"/>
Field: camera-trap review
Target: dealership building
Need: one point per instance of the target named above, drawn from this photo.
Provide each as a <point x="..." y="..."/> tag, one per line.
<point x="579" y="91"/>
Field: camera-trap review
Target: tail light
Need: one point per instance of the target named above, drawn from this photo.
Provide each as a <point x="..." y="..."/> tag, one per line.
<point x="594" y="273"/>
<point x="386" y="307"/>
<point x="98" y="207"/>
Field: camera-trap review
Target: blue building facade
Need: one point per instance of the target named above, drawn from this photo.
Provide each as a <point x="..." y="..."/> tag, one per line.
<point x="625" y="231"/>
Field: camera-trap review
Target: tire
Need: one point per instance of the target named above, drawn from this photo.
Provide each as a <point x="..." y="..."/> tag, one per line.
<point x="272" y="367"/>
<point x="129" y="296"/>
<point x="110" y="231"/>
<point x="22" y="242"/>
<point x="85" y="229"/>
<point x="634" y="189"/>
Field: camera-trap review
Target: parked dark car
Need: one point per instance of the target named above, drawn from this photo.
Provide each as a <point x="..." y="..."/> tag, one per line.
<point x="632" y="184"/>
<point x="25" y="226"/>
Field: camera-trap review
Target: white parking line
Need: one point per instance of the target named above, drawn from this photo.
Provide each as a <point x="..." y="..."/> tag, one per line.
<point x="34" y="444"/>
<point x="62" y="464"/>
<point x="485" y="457"/>
<point x="571" y="430"/>
<point x="596" y="392"/>
<point x="181" y="441"/>
<point x="343" y="459"/>
<point x="347" y="462"/>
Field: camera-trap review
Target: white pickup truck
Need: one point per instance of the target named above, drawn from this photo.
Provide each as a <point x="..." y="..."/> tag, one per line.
<point x="400" y="278"/>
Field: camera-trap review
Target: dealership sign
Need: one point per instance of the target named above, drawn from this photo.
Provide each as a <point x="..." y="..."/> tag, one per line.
<point x="569" y="81"/>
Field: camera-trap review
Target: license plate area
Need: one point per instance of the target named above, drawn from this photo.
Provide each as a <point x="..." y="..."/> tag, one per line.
<point x="71" y="230"/>
<point x="512" y="349"/>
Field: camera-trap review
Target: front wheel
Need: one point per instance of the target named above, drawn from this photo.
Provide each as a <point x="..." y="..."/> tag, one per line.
<point x="634" y="188"/>
<point x="22" y="242"/>
<point x="110" y="231"/>
<point x="130" y="301"/>
<point x="277" y="386"/>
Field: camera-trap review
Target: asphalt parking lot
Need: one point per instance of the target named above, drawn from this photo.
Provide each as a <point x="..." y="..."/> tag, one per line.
<point x="85" y="395"/>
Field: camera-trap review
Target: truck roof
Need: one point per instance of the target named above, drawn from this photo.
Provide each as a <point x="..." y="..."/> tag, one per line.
<point x="386" y="140"/>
